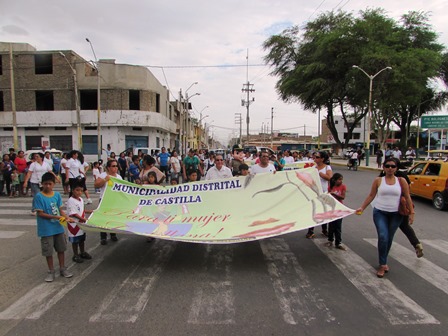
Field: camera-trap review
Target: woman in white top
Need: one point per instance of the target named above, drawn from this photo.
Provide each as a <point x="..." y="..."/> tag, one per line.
<point x="385" y="194"/>
<point x="325" y="174"/>
<point x="174" y="165"/>
<point x="101" y="182"/>
<point x="63" y="175"/>
<point x="34" y="175"/>
<point x="73" y="170"/>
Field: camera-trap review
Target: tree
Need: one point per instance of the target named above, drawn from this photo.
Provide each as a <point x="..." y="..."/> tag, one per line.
<point x="314" y="67"/>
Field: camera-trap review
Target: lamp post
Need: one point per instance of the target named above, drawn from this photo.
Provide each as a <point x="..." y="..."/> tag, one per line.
<point x="371" y="78"/>
<point x="78" y="111"/>
<point x="200" y="114"/>
<point x="99" y="100"/>
<point x="186" y="116"/>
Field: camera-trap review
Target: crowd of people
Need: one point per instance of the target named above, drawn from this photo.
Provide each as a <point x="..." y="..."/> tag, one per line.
<point x="167" y="167"/>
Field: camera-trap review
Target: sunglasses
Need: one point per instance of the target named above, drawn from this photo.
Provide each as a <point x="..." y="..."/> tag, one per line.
<point x="113" y="166"/>
<point x="318" y="157"/>
<point x="219" y="160"/>
<point x="390" y="166"/>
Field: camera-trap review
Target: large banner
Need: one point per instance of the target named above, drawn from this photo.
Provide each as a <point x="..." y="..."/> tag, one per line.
<point x="221" y="211"/>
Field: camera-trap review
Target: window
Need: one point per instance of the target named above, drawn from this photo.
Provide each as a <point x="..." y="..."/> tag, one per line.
<point x="90" y="144"/>
<point x="2" y="102"/>
<point x="43" y="64"/>
<point x="89" y="100"/>
<point x="157" y="104"/>
<point x="33" y="141"/>
<point x="433" y="169"/>
<point x="61" y="142"/>
<point x="44" y="101"/>
<point x="134" y="100"/>
<point x="336" y="122"/>
<point x="417" y="170"/>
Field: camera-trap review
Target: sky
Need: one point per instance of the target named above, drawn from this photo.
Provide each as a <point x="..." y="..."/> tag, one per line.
<point x="204" y="41"/>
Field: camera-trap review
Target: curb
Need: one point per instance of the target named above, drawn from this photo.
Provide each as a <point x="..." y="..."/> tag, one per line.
<point x="343" y="163"/>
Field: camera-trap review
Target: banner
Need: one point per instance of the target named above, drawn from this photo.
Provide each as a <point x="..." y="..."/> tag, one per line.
<point x="221" y="211"/>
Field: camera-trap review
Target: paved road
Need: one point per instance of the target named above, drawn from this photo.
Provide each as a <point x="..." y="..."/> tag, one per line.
<point x="283" y="286"/>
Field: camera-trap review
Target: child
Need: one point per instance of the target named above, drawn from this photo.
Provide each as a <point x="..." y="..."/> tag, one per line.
<point x="134" y="170"/>
<point x="174" y="181"/>
<point x="15" y="182"/>
<point x="337" y="189"/>
<point x="152" y="177"/>
<point x="48" y="204"/>
<point x="76" y="236"/>
<point x="244" y="169"/>
<point x="96" y="172"/>
<point x="192" y="175"/>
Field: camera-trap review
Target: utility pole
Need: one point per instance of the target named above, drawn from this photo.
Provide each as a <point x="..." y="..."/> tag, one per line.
<point x="248" y="88"/>
<point x="13" y="100"/>
<point x="239" y="120"/>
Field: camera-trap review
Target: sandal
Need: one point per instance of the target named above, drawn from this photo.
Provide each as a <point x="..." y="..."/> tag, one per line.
<point x="85" y="255"/>
<point x="381" y="271"/>
<point x="77" y="259"/>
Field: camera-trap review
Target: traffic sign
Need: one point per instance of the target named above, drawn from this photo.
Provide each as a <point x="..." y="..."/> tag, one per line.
<point x="436" y="121"/>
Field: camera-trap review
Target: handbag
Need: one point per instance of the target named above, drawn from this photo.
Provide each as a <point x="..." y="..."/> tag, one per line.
<point x="403" y="208"/>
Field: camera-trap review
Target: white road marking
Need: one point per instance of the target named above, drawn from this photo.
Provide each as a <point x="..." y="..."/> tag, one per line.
<point x="298" y="299"/>
<point x="213" y="301"/>
<point x="392" y="303"/>
<point x="128" y="299"/>
<point x="429" y="271"/>
<point x="18" y="222"/>
<point x="438" y="244"/>
<point x="11" y="234"/>
<point x="44" y="296"/>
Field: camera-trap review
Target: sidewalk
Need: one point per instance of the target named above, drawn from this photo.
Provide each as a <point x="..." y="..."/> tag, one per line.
<point x="337" y="161"/>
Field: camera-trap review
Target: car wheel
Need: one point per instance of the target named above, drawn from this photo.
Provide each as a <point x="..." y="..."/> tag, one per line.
<point x="439" y="201"/>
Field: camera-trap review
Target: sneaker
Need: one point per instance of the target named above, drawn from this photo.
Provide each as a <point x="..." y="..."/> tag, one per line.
<point x="85" y="255"/>
<point x="65" y="273"/>
<point x="381" y="270"/>
<point x="341" y="247"/>
<point x="310" y="235"/>
<point x="114" y="238"/>
<point x="88" y="201"/>
<point x="419" y="250"/>
<point x="103" y="242"/>
<point x="77" y="259"/>
<point x="50" y="276"/>
<point x="33" y="213"/>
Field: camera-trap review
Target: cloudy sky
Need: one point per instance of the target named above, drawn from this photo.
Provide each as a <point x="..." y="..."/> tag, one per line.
<point x="202" y="41"/>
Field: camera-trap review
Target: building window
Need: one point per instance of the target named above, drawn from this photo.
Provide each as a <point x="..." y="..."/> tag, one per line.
<point x="157" y="104"/>
<point x="336" y="122"/>
<point x="1" y="65"/>
<point x="89" y="100"/>
<point x="90" y="144"/>
<point x="2" y="102"/>
<point x="44" y="101"/>
<point x="356" y="136"/>
<point x="134" y="100"/>
<point x="43" y="64"/>
<point x="60" y="128"/>
<point x="61" y="142"/>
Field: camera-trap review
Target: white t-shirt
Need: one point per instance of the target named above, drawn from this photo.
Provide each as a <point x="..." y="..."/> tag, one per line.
<point x="255" y="169"/>
<point x="323" y="181"/>
<point x="288" y="159"/>
<point x="214" y="174"/>
<point x="49" y="161"/>
<point x="63" y="163"/>
<point x="103" y="176"/>
<point x="83" y="167"/>
<point x="96" y="173"/>
<point x="75" y="167"/>
<point x="38" y="170"/>
<point x="176" y="162"/>
<point x="75" y="207"/>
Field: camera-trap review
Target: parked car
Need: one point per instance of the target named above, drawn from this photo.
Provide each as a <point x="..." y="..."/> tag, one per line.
<point x="429" y="179"/>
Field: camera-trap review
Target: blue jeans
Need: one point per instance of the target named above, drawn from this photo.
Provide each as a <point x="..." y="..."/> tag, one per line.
<point x="386" y="224"/>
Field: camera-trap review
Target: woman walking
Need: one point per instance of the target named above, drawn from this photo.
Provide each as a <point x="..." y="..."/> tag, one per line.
<point x="385" y="194"/>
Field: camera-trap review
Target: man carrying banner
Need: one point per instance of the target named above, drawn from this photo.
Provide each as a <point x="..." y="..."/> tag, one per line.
<point x="218" y="171"/>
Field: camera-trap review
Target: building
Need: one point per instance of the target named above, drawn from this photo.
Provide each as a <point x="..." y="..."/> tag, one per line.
<point x="135" y="109"/>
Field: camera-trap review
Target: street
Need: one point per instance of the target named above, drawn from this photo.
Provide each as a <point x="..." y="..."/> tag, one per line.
<point x="287" y="285"/>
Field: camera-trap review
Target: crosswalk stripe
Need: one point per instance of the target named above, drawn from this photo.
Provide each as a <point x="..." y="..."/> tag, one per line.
<point x="427" y="270"/>
<point x="128" y="299"/>
<point x="438" y="244"/>
<point x="392" y="303"/>
<point x="213" y="300"/>
<point x="298" y="299"/>
<point x="11" y="234"/>
<point x="18" y="222"/>
<point x="44" y="296"/>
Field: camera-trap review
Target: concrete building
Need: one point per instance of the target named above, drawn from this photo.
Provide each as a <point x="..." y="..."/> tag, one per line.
<point x="135" y="106"/>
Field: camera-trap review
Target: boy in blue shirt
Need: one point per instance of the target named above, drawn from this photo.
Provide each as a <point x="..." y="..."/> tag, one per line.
<point x="134" y="171"/>
<point x="48" y="205"/>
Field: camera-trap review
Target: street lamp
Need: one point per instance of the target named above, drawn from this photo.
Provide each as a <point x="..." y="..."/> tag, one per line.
<point x="187" y="109"/>
<point x="78" y="111"/>
<point x="99" y="100"/>
<point x="371" y="77"/>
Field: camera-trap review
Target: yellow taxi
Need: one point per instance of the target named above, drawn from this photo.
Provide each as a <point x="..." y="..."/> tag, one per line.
<point x="429" y="179"/>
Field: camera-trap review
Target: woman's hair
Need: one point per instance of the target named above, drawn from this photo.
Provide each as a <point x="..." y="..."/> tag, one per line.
<point x="324" y="156"/>
<point x="110" y="162"/>
<point x="153" y="174"/>
<point x="149" y="160"/>
<point x="392" y="159"/>
<point x="334" y="178"/>
<point x="71" y="153"/>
